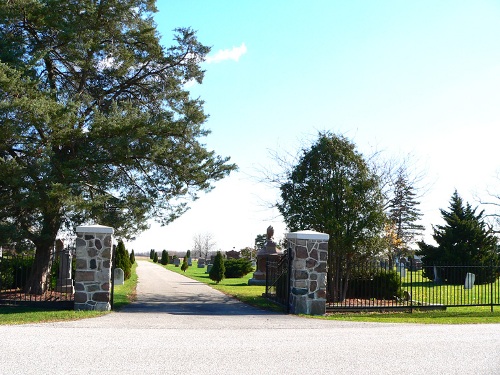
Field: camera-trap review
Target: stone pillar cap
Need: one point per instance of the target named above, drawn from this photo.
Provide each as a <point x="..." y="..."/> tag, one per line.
<point x="94" y="229"/>
<point x="307" y="235"/>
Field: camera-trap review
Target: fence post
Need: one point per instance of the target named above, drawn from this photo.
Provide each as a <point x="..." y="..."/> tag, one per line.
<point x="309" y="253"/>
<point x="93" y="267"/>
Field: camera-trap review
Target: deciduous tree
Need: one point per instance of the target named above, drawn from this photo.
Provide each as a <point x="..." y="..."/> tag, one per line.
<point x="97" y="124"/>
<point x="332" y="190"/>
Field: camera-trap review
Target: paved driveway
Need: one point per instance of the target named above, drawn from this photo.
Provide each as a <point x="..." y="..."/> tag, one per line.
<point x="179" y="326"/>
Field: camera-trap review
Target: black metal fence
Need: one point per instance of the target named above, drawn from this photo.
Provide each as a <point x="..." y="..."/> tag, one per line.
<point x="278" y="280"/>
<point x="413" y="285"/>
<point x="56" y="290"/>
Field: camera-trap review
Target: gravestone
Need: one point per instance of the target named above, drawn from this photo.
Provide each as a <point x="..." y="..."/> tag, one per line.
<point x="267" y="253"/>
<point x="119" y="276"/>
<point x="400" y="267"/>
<point x="437" y="279"/>
<point x="177" y="262"/>
<point x="190" y="262"/>
<point x="232" y="254"/>
<point x="209" y="268"/>
<point x="201" y="263"/>
<point x="64" y="282"/>
<point x="469" y="280"/>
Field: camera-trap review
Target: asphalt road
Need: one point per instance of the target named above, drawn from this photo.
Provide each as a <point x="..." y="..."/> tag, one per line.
<point x="179" y="326"/>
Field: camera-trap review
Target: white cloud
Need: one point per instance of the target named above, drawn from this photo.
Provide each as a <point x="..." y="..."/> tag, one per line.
<point x="228" y="54"/>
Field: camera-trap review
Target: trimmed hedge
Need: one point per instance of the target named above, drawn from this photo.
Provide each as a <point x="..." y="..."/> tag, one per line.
<point x="236" y="268"/>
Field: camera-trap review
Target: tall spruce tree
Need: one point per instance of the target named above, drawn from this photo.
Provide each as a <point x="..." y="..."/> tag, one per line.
<point x="464" y="240"/>
<point x="97" y="123"/>
<point x="403" y="215"/>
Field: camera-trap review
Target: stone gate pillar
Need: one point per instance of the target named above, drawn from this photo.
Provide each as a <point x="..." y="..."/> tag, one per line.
<point x="308" y="277"/>
<point x="93" y="267"/>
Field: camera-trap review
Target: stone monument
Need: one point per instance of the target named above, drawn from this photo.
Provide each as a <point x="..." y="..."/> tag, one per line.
<point x="64" y="282"/>
<point x="267" y="253"/>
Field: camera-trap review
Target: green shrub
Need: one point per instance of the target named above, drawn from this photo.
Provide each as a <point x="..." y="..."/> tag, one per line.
<point x="164" y="257"/>
<point x="122" y="260"/>
<point x="217" y="272"/>
<point x="236" y="268"/>
<point x="379" y="284"/>
<point x="184" y="265"/>
<point x="152" y="254"/>
<point x="132" y="257"/>
<point x="155" y="258"/>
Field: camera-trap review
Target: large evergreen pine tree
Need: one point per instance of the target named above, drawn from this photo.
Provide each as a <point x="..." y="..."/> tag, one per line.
<point x="464" y="240"/>
<point x="97" y="125"/>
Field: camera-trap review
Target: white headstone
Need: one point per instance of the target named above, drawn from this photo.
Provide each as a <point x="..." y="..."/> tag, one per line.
<point x="469" y="280"/>
<point x="119" y="276"/>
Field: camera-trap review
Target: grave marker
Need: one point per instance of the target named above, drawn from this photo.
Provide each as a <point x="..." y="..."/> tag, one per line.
<point x="119" y="276"/>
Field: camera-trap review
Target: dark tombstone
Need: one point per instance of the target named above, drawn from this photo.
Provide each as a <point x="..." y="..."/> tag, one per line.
<point x="233" y="254"/>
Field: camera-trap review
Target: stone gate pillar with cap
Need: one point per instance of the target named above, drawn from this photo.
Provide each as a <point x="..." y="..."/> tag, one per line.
<point x="309" y="250"/>
<point x="93" y="267"/>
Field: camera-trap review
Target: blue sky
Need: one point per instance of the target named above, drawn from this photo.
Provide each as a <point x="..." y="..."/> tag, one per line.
<point x="404" y="77"/>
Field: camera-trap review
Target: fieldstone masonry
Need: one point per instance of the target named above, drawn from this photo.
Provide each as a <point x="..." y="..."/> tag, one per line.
<point x="93" y="267"/>
<point x="308" y="278"/>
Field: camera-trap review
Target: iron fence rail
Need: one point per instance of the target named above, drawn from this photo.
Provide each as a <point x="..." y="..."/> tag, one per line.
<point x="57" y="288"/>
<point x="409" y="286"/>
<point x="278" y="280"/>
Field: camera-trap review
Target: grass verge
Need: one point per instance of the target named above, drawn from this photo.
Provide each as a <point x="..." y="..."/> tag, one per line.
<point x="11" y="315"/>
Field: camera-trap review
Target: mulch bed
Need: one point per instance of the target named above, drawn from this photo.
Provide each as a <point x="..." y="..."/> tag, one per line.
<point x="48" y="296"/>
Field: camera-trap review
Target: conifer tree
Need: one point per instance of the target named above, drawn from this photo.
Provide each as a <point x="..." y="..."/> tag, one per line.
<point x="97" y="124"/>
<point x="464" y="240"/>
<point x="403" y="215"/>
<point x="132" y="257"/>
<point x="164" y="257"/>
<point x="122" y="260"/>
<point x="184" y="265"/>
<point x="155" y="257"/>
<point x="218" y="269"/>
<point x="152" y="254"/>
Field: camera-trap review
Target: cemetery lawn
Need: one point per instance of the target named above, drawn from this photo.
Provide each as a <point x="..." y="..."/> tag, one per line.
<point x="252" y="295"/>
<point x="10" y="315"/>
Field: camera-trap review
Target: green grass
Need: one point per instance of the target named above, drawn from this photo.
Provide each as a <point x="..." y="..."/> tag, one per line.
<point x="453" y="315"/>
<point x="124" y="294"/>
<point x="11" y="315"/>
<point x="424" y="290"/>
